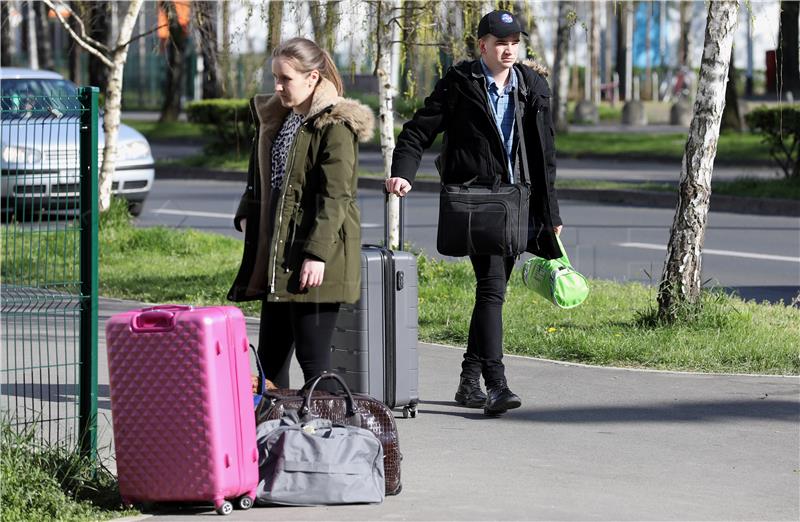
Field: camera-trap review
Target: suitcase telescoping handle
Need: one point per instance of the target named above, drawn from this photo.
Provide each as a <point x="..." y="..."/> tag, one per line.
<point x="352" y="414"/>
<point x="401" y="239"/>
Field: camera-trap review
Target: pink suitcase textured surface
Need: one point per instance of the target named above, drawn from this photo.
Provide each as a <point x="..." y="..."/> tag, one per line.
<point x="181" y="404"/>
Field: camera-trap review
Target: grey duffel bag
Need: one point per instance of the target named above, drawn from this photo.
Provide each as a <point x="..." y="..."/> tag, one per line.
<point x="318" y="463"/>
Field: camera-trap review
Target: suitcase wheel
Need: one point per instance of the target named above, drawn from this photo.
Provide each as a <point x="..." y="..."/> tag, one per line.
<point x="226" y="508"/>
<point x="244" y="502"/>
<point x="410" y="411"/>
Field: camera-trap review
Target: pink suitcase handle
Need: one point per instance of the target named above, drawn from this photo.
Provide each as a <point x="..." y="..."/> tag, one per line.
<point x="153" y="321"/>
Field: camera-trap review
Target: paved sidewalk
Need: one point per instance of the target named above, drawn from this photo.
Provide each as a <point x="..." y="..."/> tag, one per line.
<point x="588" y="444"/>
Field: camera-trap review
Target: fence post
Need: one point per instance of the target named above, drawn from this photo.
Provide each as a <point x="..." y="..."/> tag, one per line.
<point x="87" y="421"/>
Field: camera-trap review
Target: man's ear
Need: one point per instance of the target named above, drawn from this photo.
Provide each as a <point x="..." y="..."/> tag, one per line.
<point x="481" y="46"/>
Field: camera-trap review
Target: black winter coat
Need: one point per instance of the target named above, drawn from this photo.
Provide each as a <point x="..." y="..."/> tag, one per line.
<point x="459" y="107"/>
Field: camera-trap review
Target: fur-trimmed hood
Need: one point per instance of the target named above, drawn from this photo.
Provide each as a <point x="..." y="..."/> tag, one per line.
<point x="327" y="108"/>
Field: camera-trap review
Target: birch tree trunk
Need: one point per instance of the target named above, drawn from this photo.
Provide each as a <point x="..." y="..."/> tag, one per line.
<point x="387" y="29"/>
<point x="113" y="103"/>
<point x="680" y="282"/>
<point x="114" y="60"/>
<point x="560" y="69"/>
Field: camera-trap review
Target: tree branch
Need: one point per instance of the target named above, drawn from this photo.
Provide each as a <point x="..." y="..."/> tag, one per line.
<point x="139" y="36"/>
<point x="84" y="41"/>
<point x="99" y="45"/>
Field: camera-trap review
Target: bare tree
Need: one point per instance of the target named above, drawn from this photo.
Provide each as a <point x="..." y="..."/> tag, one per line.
<point x="535" y="46"/>
<point x="205" y="27"/>
<point x="566" y="19"/>
<point x="685" y="30"/>
<point x="324" y="20"/>
<point x="680" y="282"/>
<point x="97" y="18"/>
<point x="274" y="29"/>
<point x="731" y="116"/>
<point x="176" y="68"/>
<point x="43" y="28"/>
<point x="225" y="57"/>
<point x="114" y="59"/>
<point x="6" y="42"/>
<point x="33" y="41"/>
<point x="788" y="67"/>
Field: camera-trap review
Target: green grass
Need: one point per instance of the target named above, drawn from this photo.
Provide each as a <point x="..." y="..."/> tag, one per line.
<point x="732" y="148"/>
<point x="160" y="265"/>
<point x="154" y="130"/>
<point x="226" y="161"/>
<point x="42" y="482"/>
<point x="781" y="188"/>
<point x="613" y="326"/>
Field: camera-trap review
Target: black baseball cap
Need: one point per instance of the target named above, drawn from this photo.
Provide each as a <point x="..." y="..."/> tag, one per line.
<point x="500" y="24"/>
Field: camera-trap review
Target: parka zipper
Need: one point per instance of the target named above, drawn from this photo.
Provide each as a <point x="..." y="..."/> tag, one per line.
<point x="279" y="222"/>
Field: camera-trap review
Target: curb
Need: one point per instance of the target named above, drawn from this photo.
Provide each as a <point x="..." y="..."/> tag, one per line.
<point x="634" y="198"/>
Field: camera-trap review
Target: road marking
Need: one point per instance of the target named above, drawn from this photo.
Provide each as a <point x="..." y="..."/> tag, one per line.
<point x="192" y="213"/>
<point x="711" y="251"/>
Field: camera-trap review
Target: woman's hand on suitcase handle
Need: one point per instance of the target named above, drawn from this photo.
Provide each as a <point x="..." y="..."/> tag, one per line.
<point x="557" y="229"/>
<point x="311" y="273"/>
<point x="398" y="186"/>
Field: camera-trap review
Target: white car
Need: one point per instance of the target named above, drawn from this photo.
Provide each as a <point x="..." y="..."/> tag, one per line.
<point x="39" y="144"/>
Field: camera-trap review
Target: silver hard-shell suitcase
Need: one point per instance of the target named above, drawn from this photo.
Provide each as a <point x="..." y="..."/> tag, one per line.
<point x="374" y="345"/>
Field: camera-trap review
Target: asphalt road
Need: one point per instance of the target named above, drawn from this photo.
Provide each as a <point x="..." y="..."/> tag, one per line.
<point x="759" y="256"/>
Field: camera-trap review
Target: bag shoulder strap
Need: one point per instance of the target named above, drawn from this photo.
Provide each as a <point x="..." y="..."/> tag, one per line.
<point x="524" y="171"/>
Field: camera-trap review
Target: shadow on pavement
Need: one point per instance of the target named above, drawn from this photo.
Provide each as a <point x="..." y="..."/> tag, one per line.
<point x="55" y="392"/>
<point x="766" y="408"/>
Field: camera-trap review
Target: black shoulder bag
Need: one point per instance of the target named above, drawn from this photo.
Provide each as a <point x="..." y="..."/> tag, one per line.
<point x="487" y="220"/>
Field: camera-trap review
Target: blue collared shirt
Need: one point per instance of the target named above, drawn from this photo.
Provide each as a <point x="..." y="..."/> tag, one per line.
<point x="502" y="103"/>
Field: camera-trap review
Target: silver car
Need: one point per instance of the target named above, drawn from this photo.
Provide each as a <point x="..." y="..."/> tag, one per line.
<point x="39" y="145"/>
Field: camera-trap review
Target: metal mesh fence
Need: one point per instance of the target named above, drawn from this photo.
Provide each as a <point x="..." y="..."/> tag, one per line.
<point x="47" y="221"/>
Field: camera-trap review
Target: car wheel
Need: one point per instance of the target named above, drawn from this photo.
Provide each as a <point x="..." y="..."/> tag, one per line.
<point x="135" y="208"/>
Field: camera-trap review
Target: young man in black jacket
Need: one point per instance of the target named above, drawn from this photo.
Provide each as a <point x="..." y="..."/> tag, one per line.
<point x="474" y="106"/>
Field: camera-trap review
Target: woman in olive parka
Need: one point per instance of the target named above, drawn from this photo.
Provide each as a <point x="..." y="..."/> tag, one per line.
<point x="302" y="253"/>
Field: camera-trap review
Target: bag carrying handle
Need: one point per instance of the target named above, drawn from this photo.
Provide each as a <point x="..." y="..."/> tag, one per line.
<point x="563" y="257"/>
<point x="309" y="387"/>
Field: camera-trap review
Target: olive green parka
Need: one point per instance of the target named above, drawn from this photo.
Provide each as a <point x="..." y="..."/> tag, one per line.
<point x="316" y="214"/>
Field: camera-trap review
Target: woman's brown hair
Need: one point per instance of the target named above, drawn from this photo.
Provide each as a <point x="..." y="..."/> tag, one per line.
<point x="307" y="56"/>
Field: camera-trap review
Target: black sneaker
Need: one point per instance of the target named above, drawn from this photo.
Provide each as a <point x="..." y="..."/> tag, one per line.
<point x="469" y="393"/>
<point x="500" y="399"/>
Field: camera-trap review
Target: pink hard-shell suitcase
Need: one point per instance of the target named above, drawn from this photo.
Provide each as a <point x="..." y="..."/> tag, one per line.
<point x="182" y="405"/>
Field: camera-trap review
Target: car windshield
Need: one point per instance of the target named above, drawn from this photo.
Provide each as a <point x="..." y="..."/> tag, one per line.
<point x="38" y="98"/>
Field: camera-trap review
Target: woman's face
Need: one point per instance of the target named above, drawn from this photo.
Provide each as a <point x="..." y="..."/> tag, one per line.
<point x="292" y="86"/>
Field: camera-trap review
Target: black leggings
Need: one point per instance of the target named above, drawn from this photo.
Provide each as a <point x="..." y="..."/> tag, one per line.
<point x="307" y="326"/>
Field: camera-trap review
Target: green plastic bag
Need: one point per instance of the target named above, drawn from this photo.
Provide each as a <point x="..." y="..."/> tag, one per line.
<point x="556" y="280"/>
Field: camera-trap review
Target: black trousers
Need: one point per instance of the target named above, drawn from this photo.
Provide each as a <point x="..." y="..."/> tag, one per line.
<point x="308" y="327"/>
<point x="485" y="344"/>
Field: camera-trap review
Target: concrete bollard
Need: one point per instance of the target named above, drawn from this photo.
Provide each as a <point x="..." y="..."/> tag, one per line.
<point x="633" y="114"/>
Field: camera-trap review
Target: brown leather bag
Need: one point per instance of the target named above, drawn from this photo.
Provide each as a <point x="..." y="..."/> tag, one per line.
<point x="344" y="407"/>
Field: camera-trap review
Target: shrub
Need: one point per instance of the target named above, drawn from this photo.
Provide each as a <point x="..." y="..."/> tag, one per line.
<point x="228" y="121"/>
<point x="780" y="130"/>
<point x="42" y="482"/>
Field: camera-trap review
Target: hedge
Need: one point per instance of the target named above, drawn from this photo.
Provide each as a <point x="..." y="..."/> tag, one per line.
<point x="229" y="121"/>
<point x="780" y="130"/>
